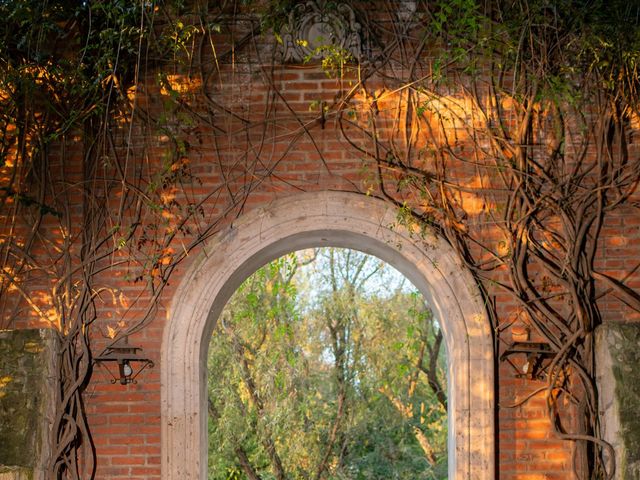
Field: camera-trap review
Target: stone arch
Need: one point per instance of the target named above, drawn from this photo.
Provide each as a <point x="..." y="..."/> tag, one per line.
<point x="327" y="219"/>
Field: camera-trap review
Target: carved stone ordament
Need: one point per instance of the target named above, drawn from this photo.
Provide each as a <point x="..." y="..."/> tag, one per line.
<point x="314" y="25"/>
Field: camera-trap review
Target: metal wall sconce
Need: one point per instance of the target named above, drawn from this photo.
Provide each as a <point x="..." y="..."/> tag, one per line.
<point x="536" y="353"/>
<point x="124" y="355"/>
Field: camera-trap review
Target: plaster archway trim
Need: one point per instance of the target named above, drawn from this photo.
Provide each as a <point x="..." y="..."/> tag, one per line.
<point x="336" y="219"/>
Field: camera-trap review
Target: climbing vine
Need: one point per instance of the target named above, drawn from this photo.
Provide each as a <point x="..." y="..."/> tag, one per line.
<point x="506" y="126"/>
<point x="84" y="188"/>
<point x="514" y="142"/>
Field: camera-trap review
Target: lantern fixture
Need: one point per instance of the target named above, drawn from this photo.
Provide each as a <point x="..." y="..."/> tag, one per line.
<point x="125" y="356"/>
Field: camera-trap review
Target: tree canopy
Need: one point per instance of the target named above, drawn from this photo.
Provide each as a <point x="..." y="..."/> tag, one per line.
<point x="327" y="367"/>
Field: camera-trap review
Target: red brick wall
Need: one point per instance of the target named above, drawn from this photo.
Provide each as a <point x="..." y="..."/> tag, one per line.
<point x="126" y="420"/>
<point x="274" y="128"/>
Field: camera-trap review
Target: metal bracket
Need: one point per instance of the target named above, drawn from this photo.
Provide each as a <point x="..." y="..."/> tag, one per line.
<point x="124" y="355"/>
<point x="536" y="354"/>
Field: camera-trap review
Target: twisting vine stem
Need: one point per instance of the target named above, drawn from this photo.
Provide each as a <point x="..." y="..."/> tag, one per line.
<point x="514" y="144"/>
<point x="504" y="125"/>
<point x="79" y="195"/>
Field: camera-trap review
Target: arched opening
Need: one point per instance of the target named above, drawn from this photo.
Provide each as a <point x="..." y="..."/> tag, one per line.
<point x="327" y="363"/>
<point x="312" y="220"/>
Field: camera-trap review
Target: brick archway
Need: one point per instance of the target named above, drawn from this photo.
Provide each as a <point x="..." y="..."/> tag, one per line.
<point x="319" y="219"/>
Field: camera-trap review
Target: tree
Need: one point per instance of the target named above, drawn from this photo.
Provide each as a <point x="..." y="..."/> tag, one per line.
<point x="318" y="371"/>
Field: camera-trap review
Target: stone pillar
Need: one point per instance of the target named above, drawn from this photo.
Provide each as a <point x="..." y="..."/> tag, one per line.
<point x="27" y="386"/>
<point x="618" y="378"/>
<point x="15" y="473"/>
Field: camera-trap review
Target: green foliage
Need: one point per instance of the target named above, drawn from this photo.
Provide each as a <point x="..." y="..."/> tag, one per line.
<point x="456" y="23"/>
<point x="275" y="15"/>
<point x="69" y="75"/>
<point x="333" y="58"/>
<point x="564" y="46"/>
<point x="318" y="358"/>
<point x="69" y="54"/>
<point x="69" y="62"/>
